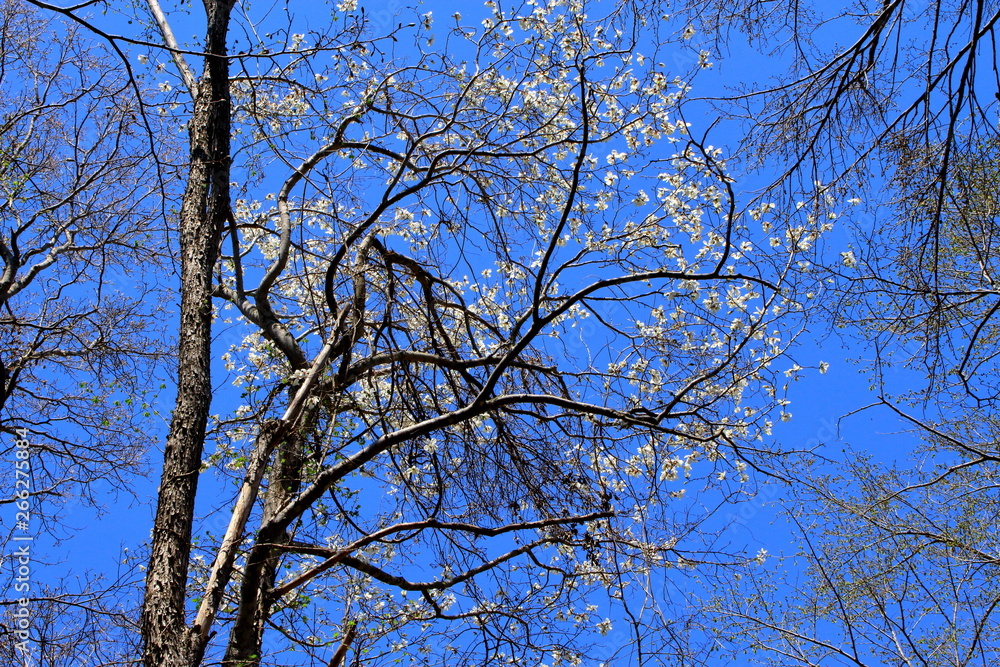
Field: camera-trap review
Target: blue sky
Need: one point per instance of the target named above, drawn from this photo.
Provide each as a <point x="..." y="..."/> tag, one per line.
<point x="818" y="401"/>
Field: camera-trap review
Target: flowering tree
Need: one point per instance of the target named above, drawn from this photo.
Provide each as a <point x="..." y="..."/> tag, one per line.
<point x="490" y="311"/>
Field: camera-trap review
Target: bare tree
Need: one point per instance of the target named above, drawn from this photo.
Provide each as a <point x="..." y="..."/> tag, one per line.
<point x="898" y="565"/>
<point x="80" y="222"/>
<point x="77" y="217"/>
<point x="89" y="620"/>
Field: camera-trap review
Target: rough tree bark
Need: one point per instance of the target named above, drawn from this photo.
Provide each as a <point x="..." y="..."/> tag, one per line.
<point x="203" y="214"/>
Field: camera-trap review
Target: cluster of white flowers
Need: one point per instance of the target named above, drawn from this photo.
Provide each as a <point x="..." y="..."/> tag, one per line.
<point x="474" y="222"/>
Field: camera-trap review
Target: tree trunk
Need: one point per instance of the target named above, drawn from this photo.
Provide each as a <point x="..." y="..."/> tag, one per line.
<point x="203" y="214"/>
<point x="261" y="569"/>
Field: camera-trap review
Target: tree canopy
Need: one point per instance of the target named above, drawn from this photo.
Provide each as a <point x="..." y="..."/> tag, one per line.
<point x="477" y="334"/>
